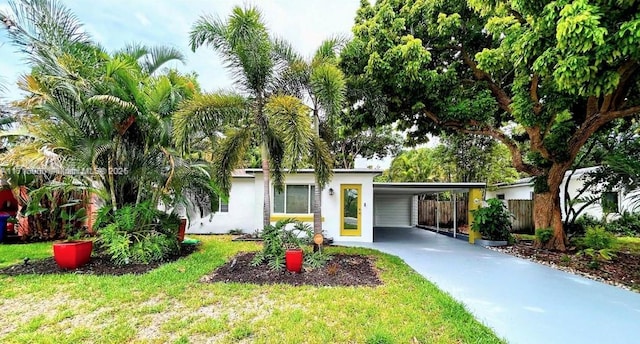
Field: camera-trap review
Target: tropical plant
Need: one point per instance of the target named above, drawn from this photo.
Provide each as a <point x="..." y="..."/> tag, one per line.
<point x="493" y="221"/>
<point x="136" y="234"/>
<point x="106" y="117"/>
<point x="277" y="123"/>
<point x="598" y="244"/>
<point x="539" y="76"/>
<point x="278" y="238"/>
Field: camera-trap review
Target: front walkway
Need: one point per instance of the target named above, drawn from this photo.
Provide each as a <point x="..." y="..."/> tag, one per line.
<point x="522" y="301"/>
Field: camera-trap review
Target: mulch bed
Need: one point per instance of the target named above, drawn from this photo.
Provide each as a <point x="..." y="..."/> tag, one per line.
<point x="341" y="270"/>
<point x="622" y="271"/>
<point x="96" y="266"/>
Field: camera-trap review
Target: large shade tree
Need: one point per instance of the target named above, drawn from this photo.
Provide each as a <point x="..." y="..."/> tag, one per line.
<point x="559" y="70"/>
<point x="261" y="114"/>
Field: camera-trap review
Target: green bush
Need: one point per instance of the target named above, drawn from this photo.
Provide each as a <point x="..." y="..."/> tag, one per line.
<point x="277" y="239"/>
<point x="543" y="235"/>
<point x="627" y="225"/>
<point x="492" y="221"/>
<point x="598" y="238"/>
<point x="137" y="234"/>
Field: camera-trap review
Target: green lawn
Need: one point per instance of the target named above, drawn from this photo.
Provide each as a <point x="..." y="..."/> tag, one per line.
<point x="170" y="305"/>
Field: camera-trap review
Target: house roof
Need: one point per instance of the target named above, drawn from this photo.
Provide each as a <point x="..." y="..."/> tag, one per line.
<point x="529" y="180"/>
<point x="309" y="170"/>
<point x="424" y="188"/>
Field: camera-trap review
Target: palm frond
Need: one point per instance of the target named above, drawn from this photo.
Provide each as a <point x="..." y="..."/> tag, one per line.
<point x="276" y="152"/>
<point x="158" y="56"/>
<point x="322" y="161"/>
<point x="328" y="85"/>
<point x="228" y="156"/>
<point x="289" y="118"/>
<point x="206" y="113"/>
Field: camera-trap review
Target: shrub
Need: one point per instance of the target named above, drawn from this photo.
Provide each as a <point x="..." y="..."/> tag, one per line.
<point x="137" y="234"/>
<point x="543" y="235"/>
<point x="277" y="238"/>
<point x="492" y="221"/>
<point x="627" y="225"/>
<point x="598" y="238"/>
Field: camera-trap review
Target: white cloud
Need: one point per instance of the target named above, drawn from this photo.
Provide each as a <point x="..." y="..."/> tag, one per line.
<point x="142" y="19"/>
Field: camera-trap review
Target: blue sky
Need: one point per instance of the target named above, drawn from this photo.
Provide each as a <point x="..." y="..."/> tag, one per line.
<point x="114" y="23"/>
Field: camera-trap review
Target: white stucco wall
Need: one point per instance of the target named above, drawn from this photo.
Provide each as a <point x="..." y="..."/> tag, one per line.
<point x="241" y="203"/>
<point x="330" y="203"/>
<point x="525" y="190"/>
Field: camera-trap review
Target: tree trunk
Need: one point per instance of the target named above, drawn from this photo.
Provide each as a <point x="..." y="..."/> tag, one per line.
<point x="266" y="180"/>
<point x="317" y="194"/>
<point x="547" y="212"/>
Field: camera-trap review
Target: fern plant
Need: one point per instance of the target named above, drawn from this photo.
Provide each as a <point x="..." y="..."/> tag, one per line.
<point x="137" y="234"/>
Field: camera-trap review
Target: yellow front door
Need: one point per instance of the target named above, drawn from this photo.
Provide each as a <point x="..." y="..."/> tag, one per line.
<point x="350" y="209"/>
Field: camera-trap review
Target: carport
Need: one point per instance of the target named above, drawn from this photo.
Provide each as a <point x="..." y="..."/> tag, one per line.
<point x="395" y="205"/>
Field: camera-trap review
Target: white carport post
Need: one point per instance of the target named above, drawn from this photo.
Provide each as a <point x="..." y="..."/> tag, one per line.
<point x="455" y="215"/>
<point x="437" y="212"/>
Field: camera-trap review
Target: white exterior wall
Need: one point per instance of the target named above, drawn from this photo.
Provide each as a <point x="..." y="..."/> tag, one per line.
<point x="524" y="191"/>
<point x="414" y="211"/>
<point x="241" y="202"/>
<point x="330" y="203"/>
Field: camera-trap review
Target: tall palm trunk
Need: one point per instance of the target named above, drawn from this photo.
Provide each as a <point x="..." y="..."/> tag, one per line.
<point x="317" y="194"/>
<point x="266" y="204"/>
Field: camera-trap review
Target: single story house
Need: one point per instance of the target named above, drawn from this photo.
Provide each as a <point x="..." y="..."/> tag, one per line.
<point x="353" y="205"/>
<point x="616" y="201"/>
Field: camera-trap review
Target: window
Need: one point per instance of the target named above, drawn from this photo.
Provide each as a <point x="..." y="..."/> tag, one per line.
<point x="610" y="202"/>
<point x="223" y="206"/>
<point x="294" y="199"/>
<point x="500" y="196"/>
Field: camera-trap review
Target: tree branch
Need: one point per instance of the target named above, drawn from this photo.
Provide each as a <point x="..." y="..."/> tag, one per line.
<point x="485" y="130"/>
<point x="504" y="101"/>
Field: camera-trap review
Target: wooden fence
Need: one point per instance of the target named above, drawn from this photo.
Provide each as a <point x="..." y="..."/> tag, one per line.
<point x="427" y="212"/>
<point x="522" y="210"/>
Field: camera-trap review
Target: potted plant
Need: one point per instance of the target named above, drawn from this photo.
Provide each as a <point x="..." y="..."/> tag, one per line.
<point x="60" y="204"/>
<point x="283" y="246"/>
<point x="493" y="221"/>
<point x="73" y="252"/>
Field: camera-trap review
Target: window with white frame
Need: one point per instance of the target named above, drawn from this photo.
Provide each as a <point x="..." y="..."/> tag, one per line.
<point x="294" y="199"/>
<point x="610" y="202"/>
<point x="223" y="206"/>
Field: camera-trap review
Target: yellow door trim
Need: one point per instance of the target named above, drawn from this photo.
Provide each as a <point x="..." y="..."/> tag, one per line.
<point x="351" y="231"/>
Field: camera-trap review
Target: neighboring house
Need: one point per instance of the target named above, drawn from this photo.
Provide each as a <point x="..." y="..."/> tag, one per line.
<point x="352" y="204"/>
<point x="615" y="202"/>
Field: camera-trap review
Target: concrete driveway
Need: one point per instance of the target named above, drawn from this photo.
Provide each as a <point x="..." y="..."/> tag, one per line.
<point x="521" y="301"/>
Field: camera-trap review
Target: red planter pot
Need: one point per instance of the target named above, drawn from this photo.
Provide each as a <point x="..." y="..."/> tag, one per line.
<point x="72" y="254"/>
<point x="293" y="260"/>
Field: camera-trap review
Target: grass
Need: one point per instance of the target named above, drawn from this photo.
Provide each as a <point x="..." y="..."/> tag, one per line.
<point x="12" y="254"/>
<point x="524" y="236"/>
<point x="630" y="244"/>
<point x="169" y="305"/>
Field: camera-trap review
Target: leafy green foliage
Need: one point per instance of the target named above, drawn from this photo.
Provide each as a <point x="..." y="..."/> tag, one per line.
<point x="278" y="238"/>
<point x="492" y="221"/>
<point x="541" y="77"/>
<point x="598" y="238"/>
<point x="544" y="234"/>
<point x="137" y="234"/>
<point x="317" y="259"/>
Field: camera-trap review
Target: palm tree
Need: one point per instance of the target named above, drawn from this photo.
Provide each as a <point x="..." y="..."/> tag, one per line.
<point x="322" y="83"/>
<point x="260" y="115"/>
<point x="90" y="109"/>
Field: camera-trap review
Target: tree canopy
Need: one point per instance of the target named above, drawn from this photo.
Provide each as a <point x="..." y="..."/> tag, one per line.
<point x="541" y="77"/>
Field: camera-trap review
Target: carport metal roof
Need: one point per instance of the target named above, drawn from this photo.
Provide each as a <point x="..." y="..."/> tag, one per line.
<point x="424" y="188"/>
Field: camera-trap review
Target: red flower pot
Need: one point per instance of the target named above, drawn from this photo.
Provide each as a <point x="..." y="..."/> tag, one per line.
<point x="72" y="254"/>
<point x="293" y="260"/>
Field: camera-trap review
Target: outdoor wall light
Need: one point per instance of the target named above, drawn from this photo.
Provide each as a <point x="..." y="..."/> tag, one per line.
<point x="330" y="191"/>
